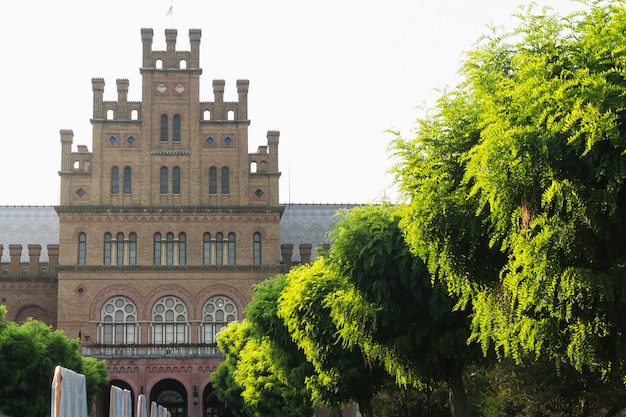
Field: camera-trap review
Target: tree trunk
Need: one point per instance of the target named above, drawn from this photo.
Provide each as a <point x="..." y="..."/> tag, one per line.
<point x="456" y="392"/>
<point x="365" y="407"/>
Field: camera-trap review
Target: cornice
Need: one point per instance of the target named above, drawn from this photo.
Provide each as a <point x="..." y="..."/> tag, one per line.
<point x="170" y="268"/>
<point x="170" y="209"/>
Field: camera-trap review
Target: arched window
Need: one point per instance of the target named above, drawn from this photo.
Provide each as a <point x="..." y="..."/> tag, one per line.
<point x="107" y="248"/>
<point x="257" y="248"/>
<point x="119" y="258"/>
<point x="212" y="180"/>
<point x="164" y="128"/>
<point x="82" y="248"/>
<point x="206" y="115"/>
<point x="182" y="249"/>
<point x="169" y="248"/>
<point x="164" y="180"/>
<point x="169" y="321"/>
<point x="219" y="249"/>
<point x="231" y="115"/>
<point x="225" y="181"/>
<point x="231" y="249"/>
<point x="207" y="249"/>
<point x="157" y="248"/>
<point x="176" y="180"/>
<point x="132" y="249"/>
<point x="115" y="180"/>
<point x="127" y="180"/>
<point x="119" y="321"/>
<point x="176" y="127"/>
<point x="216" y="314"/>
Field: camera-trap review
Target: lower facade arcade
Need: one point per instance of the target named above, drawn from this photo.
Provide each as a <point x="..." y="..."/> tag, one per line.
<point x="183" y="386"/>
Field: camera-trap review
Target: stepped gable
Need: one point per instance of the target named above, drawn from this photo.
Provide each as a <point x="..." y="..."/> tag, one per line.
<point x="27" y="225"/>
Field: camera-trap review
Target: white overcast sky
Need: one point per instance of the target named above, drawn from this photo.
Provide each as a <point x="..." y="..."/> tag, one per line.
<point x="331" y="75"/>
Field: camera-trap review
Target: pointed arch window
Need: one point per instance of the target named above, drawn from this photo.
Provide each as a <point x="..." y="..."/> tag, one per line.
<point x="119" y="322"/>
<point x="115" y="180"/>
<point x="216" y="314"/>
<point x="169" y="321"/>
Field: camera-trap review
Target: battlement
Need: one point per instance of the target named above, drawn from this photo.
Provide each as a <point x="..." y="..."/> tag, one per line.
<point x="220" y="110"/>
<point x="35" y="268"/>
<point x="122" y="109"/>
<point x="73" y="162"/>
<point x="171" y="58"/>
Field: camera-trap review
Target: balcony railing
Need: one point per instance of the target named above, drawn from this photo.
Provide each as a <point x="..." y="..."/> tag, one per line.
<point x="151" y="351"/>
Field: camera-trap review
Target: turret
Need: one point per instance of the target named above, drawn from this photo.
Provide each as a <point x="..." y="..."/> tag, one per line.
<point x="194" y="40"/>
<point x="272" y="142"/>
<point x="97" y="86"/>
<point x="67" y="137"/>
<point x="146" y="39"/>
<point x="242" y="92"/>
<point x="170" y="53"/>
<point x="218" y="99"/>
<point x="122" y="99"/>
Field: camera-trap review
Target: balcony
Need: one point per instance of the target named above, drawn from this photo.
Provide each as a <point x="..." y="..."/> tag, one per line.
<point x="175" y="351"/>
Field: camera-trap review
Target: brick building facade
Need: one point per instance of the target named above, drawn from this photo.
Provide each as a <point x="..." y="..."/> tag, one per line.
<point x="162" y="230"/>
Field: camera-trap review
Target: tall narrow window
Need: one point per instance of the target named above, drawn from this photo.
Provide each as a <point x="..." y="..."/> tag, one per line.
<point x="212" y="180"/>
<point x="164" y="180"/>
<point x="157" y="248"/>
<point x="120" y="249"/>
<point x="219" y="249"/>
<point x="164" y="128"/>
<point x="115" y="180"/>
<point x="207" y="249"/>
<point x="132" y="249"/>
<point x="176" y="127"/>
<point x="176" y="180"/>
<point x="182" y="249"/>
<point x="231" y="249"/>
<point x="82" y="249"/>
<point x="257" y="248"/>
<point x="225" y="181"/>
<point x="126" y="180"/>
<point x="107" y="248"/>
<point x="169" y="247"/>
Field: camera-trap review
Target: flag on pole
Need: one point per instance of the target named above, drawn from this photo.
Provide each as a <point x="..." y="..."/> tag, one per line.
<point x="169" y="11"/>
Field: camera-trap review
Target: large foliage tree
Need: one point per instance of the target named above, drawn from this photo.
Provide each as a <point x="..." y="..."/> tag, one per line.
<point x="516" y="187"/>
<point x="342" y="373"/>
<point x="393" y="309"/>
<point x="29" y="353"/>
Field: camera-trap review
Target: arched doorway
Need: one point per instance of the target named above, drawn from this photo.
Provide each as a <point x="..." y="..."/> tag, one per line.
<point x="105" y="397"/>
<point x="212" y="406"/>
<point x="170" y="394"/>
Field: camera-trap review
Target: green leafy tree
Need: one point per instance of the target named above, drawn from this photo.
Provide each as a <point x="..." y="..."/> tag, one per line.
<point x="393" y="309"/>
<point x="342" y="373"/>
<point x="516" y="188"/>
<point x="29" y="354"/>
<point x="249" y="380"/>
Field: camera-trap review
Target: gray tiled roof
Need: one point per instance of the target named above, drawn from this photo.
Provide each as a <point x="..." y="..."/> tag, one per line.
<point x="300" y="223"/>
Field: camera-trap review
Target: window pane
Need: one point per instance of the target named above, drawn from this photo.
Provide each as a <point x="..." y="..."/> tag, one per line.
<point x="126" y="180"/>
<point x="115" y="184"/>
<point x="176" y="133"/>
<point x="231" y="249"/>
<point x="157" y="248"/>
<point x="82" y="248"/>
<point x="107" y="248"/>
<point x="176" y="180"/>
<point x="120" y="249"/>
<point x="212" y="180"/>
<point x="163" y="180"/>
<point x="219" y="249"/>
<point x="225" y="181"/>
<point x="132" y="249"/>
<point x="182" y="248"/>
<point x="163" y="128"/>
<point x="257" y="249"/>
<point x="207" y="248"/>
